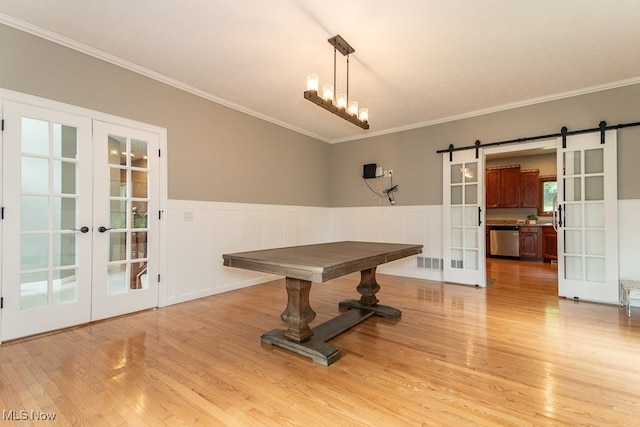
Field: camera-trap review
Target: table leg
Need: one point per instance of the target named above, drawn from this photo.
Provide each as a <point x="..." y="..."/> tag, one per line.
<point x="368" y="288"/>
<point x="298" y="313"/>
<point x="299" y="338"/>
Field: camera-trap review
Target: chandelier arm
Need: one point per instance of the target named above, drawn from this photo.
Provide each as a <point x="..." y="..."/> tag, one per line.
<point x="347" y="79"/>
<point x="335" y="88"/>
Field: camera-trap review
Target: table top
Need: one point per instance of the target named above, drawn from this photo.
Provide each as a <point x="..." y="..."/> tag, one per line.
<point x="321" y="262"/>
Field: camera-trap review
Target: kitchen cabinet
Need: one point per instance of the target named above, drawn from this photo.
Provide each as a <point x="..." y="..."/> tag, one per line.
<point x="503" y="187"/>
<point x="549" y="243"/>
<point x="492" y="184"/>
<point x="529" y="188"/>
<point x="530" y="243"/>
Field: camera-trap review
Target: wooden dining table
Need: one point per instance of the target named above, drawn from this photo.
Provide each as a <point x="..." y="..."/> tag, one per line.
<point x="302" y="265"/>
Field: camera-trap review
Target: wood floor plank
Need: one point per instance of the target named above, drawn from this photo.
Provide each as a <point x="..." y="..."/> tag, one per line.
<point x="511" y="354"/>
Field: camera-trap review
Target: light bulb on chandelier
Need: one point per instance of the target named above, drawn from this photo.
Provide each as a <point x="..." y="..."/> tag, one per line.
<point x="327" y="92"/>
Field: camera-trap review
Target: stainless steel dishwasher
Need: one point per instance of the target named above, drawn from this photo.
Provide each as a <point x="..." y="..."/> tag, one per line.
<point x="504" y="241"/>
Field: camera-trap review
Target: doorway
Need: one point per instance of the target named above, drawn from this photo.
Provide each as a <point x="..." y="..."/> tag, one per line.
<point x="540" y="160"/>
<point x="81" y="232"/>
<point x="587" y="217"/>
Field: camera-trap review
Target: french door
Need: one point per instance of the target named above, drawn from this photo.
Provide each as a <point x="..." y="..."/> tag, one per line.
<point x="125" y="219"/>
<point x="47" y="243"/>
<point x="588" y="218"/>
<point x="79" y="239"/>
<point x="463" y="231"/>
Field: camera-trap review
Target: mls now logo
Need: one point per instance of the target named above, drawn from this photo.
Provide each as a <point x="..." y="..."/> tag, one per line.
<point x="24" y="415"/>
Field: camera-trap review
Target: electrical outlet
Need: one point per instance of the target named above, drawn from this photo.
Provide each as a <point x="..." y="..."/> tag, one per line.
<point x="385" y="174"/>
<point x="390" y="172"/>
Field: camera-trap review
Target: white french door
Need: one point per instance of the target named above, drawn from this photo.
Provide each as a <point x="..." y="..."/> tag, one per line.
<point x="463" y="231"/>
<point x="46" y="263"/>
<point x="126" y="220"/>
<point x="80" y="233"/>
<point x="588" y="218"/>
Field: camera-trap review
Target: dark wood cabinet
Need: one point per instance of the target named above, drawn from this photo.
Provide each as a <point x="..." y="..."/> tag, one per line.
<point x="529" y="188"/>
<point x="510" y="185"/>
<point x="492" y="183"/>
<point x="503" y="187"/>
<point x="530" y="243"/>
<point x="549" y="243"/>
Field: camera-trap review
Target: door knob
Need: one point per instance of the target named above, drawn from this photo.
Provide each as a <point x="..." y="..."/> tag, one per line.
<point x="102" y="229"/>
<point x="84" y="229"/>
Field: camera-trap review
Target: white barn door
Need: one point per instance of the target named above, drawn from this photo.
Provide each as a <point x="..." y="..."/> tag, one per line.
<point x="588" y="218"/>
<point x="463" y="218"/>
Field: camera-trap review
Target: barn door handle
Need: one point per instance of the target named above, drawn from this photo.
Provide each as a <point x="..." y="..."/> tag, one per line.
<point x="559" y="215"/>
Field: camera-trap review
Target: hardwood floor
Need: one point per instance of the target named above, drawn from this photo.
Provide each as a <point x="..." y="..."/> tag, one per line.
<point x="511" y="354"/>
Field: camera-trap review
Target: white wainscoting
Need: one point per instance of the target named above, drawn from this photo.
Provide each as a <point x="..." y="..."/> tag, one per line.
<point x="198" y="233"/>
<point x="394" y="224"/>
<point x="629" y="242"/>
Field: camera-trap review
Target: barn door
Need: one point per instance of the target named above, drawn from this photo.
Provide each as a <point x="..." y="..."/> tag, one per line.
<point x="464" y="237"/>
<point x="588" y="217"/>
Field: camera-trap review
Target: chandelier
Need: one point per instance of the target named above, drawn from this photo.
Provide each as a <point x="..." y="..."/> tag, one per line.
<point x="343" y="107"/>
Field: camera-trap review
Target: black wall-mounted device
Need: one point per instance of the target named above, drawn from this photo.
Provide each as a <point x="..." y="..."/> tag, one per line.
<point x="369" y="170"/>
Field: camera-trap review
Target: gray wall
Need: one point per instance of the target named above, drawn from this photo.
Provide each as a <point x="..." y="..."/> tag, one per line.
<point x="418" y="169"/>
<point x="219" y="154"/>
<point x="215" y="153"/>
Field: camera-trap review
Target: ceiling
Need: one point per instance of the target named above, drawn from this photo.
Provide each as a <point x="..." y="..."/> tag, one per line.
<point x="416" y="62"/>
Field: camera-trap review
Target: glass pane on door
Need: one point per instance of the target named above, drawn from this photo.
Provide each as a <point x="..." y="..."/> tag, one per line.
<point x="594" y="161"/>
<point x="35" y="136"/>
<point x="594" y="188"/>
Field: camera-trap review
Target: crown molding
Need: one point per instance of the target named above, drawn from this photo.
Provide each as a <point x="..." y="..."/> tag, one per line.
<point x="504" y="107"/>
<point x="112" y="59"/>
<point x="99" y="54"/>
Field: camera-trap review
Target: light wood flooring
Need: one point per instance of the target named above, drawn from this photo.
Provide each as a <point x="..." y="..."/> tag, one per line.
<point x="512" y="354"/>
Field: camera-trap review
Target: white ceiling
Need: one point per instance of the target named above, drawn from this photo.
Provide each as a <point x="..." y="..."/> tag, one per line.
<point x="417" y="62"/>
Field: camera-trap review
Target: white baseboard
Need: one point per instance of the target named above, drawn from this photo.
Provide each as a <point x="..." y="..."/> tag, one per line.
<point x="220" y="289"/>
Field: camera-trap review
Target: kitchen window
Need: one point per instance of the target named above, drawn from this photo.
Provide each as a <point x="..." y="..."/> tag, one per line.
<point x="548" y="193"/>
